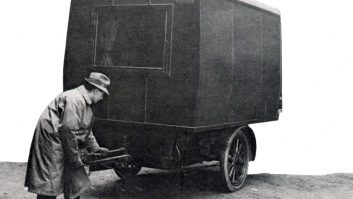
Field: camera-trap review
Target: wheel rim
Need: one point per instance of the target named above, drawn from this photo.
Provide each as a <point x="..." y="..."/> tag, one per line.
<point x="237" y="163"/>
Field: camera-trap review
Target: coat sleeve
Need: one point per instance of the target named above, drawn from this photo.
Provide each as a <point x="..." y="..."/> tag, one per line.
<point x="69" y="126"/>
<point x="91" y="143"/>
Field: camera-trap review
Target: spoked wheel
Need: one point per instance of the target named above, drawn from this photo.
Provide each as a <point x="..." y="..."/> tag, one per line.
<point x="234" y="161"/>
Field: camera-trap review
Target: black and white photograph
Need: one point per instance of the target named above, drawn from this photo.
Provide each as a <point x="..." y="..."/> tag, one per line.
<point x="174" y="99"/>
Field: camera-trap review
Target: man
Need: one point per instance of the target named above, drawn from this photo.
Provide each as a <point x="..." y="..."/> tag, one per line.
<point x="64" y="128"/>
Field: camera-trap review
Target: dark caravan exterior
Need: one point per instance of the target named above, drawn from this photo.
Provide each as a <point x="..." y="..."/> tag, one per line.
<point x="187" y="78"/>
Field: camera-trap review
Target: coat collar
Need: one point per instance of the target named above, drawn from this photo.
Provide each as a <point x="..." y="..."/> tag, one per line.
<point x="84" y="93"/>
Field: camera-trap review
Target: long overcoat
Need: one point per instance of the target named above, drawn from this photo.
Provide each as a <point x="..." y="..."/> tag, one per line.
<point x="54" y="165"/>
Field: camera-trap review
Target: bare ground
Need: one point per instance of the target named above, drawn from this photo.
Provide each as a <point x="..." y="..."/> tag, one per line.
<point x="196" y="183"/>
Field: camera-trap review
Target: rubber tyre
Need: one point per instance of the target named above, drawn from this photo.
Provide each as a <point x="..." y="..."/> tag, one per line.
<point x="234" y="161"/>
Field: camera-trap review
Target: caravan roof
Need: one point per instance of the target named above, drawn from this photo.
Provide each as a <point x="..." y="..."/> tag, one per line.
<point x="261" y="5"/>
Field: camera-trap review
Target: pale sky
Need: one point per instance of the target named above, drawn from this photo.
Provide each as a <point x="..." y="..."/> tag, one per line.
<point x="313" y="136"/>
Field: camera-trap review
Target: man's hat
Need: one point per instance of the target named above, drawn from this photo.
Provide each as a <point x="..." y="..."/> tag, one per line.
<point x="100" y="81"/>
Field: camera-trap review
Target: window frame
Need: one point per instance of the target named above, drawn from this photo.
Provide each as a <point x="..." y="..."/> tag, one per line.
<point x="167" y="46"/>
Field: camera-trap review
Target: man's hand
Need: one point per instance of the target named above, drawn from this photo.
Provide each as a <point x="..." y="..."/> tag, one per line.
<point x="102" y="151"/>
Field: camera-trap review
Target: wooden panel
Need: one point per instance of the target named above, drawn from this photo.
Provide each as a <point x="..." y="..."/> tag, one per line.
<point x="248" y="64"/>
<point x="216" y="62"/>
<point x="78" y="52"/>
<point x="172" y="98"/>
<point x="271" y="90"/>
<point x="127" y="99"/>
<point x="80" y="31"/>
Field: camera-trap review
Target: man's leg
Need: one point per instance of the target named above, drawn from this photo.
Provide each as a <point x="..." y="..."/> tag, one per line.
<point x="45" y="197"/>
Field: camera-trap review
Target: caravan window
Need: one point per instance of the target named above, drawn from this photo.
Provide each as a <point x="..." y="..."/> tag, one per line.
<point x="132" y="36"/>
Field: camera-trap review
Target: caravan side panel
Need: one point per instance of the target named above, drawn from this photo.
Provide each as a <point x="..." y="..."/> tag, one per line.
<point x="240" y="78"/>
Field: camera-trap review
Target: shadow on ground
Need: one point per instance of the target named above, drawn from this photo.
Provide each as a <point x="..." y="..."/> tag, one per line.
<point x="161" y="184"/>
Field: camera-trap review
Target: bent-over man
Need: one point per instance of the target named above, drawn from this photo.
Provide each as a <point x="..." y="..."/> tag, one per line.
<point x="64" y="128"/>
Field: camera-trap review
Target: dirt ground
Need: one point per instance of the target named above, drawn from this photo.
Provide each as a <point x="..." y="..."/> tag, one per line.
<point x="195" y="183"/>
